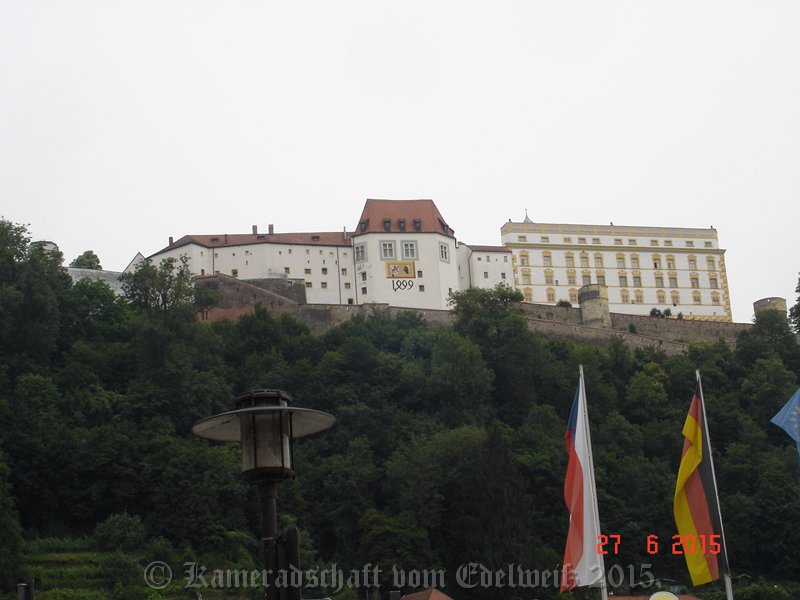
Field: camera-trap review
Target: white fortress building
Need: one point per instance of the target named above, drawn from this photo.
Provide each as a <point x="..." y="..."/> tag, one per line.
<point x="405" y="254"/>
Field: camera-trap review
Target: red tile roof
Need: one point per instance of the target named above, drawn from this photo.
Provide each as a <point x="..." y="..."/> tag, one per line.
<point x="322" y="238"/>
<point x="376" y="212"/>
<point x="429" y="594"/>
<point x="680" y="597"/>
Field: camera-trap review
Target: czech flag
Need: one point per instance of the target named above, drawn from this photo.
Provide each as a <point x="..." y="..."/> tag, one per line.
<point x="583" y="566"/>
<point x="696" y="504"/>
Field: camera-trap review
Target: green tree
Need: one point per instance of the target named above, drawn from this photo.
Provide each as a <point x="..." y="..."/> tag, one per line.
<point x="479" y="311"/>
<point x="163" y="288"/>
<point x="460" y="381"/>
<point x="11" y="540"/>
<point x="794" y="311"/>
<point x="120" y="531"/>
<point x="87" y="260"/>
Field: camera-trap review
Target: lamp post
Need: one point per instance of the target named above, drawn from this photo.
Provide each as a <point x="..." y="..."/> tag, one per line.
<point x="266" y="424"/>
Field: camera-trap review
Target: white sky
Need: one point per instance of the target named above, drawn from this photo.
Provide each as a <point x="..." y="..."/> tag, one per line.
<point x="123" y="122"/>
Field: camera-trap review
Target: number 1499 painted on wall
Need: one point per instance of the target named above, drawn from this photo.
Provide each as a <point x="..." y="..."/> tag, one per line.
<point x="681" y="544"/>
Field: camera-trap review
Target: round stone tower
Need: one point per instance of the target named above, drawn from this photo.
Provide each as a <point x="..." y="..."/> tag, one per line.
<point x="769" y="304"/>
<point x="593" y="300"/>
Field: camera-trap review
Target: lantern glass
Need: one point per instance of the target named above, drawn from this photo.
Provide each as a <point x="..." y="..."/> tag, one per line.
<point x="266" y="441"/>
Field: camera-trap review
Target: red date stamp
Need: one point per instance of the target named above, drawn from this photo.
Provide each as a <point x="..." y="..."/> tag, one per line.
<point x="681" y="544"/>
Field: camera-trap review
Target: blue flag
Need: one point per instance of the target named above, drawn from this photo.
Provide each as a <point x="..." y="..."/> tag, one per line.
<point x="788" y="418"/>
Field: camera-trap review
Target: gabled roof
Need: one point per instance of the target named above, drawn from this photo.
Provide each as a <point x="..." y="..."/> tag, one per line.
<point x="417" y="216"/>
<point x="429" y="594"/>
<point x="680" y="597"/>
<point x="223" y="240"/>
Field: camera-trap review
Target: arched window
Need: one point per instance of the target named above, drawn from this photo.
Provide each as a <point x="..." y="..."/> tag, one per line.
<point x="696" y="298"/>
<point x="661" y="296"/>
<point x="624" y="296"/>
<point x="675" y="297"/>
<point x="551" y="295"/>
<point x="573" y="295"/>
<point x="714" y="298"/>
<point x="528" y="294"/>
<point x="639" y="295"/>
<point x="548" y="277"/>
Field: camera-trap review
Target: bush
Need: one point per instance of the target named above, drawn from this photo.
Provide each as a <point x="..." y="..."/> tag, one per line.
<point x="120" y="532"/>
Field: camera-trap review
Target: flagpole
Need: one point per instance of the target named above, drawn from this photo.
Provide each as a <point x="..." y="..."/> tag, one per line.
<point x="726" y="575"/>
<point x="593" y="487"/>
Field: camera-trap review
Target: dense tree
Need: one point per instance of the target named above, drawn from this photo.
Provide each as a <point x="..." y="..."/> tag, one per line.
<point x="794" y="311"/>
<point x="11" y="540"/>
<point x="87" y="260"/>
<point x="166" y="287"/>
<point x="448" y="447"/>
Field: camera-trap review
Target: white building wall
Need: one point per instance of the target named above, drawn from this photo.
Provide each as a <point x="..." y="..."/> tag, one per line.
<point x="326" y="270"/>
<point x="200" y="261"/>
<point x="484" y="268"/>
<point x="430" y="278"/>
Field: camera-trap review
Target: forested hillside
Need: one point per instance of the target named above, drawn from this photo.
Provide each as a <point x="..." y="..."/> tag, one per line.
<point x="448" y="448"/>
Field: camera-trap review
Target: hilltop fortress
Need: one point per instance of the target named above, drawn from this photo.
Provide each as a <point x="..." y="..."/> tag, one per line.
<point x="589" y="282"/>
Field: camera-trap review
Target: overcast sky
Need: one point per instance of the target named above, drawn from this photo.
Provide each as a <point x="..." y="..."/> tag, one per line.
<point x="124" y="122"/>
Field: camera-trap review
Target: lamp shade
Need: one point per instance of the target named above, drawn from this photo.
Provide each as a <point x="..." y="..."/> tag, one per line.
<point x="225" y="427"/>
<point x="265" y="425"/>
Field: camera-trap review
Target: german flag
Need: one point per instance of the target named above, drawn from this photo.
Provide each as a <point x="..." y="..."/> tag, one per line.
<point x="697" y="513"/>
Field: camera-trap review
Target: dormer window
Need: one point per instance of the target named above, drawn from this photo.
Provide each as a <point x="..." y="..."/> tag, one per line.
<point x="417" y="224"/>
<point x="401" y="224"/>
<point x="387" y="224"/>
<point x="363" y="226"/>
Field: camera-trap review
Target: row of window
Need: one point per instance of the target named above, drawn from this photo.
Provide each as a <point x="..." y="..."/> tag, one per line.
<point x="408" y="250"/>
<point x="489" y="258"/>
<point x="288" y="251"/>
<point x="586" y="279"/>
<point x="401" y="225"/>
<point x="420" y="288"/>
<point x="545" y="239"/>
<point x="569" y="259"/>
<point x="625" y="297"/>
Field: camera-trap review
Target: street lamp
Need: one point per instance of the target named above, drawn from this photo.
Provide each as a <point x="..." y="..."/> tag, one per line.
<point x="266" y="424"/>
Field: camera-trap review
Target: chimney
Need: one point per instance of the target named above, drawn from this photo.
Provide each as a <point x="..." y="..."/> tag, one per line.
<point x="170" y="240"/>
<point x="271" y="228"/>
<point x="255" y="229"/>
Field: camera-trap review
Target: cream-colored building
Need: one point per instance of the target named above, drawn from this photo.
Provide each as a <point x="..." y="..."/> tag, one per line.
<point x="679" y="269"/>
